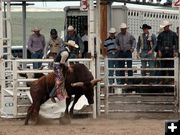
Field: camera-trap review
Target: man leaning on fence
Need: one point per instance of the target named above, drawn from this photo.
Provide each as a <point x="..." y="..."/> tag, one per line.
<point x="167" y="43"/>
<point x="145" y="49"/>
<point x="110" y="48"/>
<point x="125" y="43"/>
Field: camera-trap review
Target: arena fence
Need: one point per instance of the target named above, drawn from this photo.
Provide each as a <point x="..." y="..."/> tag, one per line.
<point x="152" y="96"/>
<point x="134" y="97"/>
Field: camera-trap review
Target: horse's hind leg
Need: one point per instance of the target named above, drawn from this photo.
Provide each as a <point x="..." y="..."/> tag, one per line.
<point x="36" y="112"/>
<point x="29" y="113"/>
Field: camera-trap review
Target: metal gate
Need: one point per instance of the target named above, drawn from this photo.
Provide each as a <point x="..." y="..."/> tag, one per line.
<point x="137" y="97"/>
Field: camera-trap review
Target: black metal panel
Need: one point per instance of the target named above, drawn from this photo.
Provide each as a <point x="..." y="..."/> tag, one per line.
<point x="79" y="22"/>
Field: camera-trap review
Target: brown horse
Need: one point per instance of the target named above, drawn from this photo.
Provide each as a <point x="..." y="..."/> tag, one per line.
<point x="78" y="81"/>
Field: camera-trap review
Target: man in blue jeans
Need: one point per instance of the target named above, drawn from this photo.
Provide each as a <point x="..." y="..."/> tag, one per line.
<point x="145" y="49"/>
<point x="36" y="44"/>
<point x="110" y="48"/>
<point x="125" y="43"/>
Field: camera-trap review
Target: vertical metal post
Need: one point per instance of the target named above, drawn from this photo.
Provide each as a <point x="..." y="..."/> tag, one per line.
<point x="24" y="29"/>
<point x="109" y="24"/>
<point x="1" y="29"/>
<point x="176" y="80"/>
<point x="178" y="88"/>
<point x="106" y="71"/>
<point x="2" y="83"/>
<point x="8" y="30"/>
<point x="91" y="45"/>
<point x="15" y="94"/>
<point x="98" y="56"/>
<point x="5" y="24"/>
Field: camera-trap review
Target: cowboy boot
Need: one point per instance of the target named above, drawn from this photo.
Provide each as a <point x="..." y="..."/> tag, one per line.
<point x="52" y="95"/>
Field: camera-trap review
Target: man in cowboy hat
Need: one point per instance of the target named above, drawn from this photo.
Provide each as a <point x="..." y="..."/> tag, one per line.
<point x="72" y="35"/>
<point x="145" y="48"/>
<point x="167" y="42"/>
<point x="110" y="47"/>
<point x="53" y="45"/>
<point x="36" y="45"/>
<point x="59" y="61"/>
<point x="125" y="43"/>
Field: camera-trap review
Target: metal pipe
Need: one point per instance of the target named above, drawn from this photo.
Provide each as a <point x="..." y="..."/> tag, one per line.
<point x="5" y="23"/>
<point x="98" y="56"/>
<point x="24" y="29"/>
<point x="91" y="45"/>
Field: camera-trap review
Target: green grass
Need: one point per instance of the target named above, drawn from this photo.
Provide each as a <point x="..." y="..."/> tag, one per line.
<point x="45" y="20"/>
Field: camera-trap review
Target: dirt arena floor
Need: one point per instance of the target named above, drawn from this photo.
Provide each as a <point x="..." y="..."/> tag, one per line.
<point x="84" y="126"/>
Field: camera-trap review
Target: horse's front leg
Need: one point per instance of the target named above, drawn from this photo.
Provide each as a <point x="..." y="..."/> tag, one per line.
<point x="68" y="101"/>
<point x="76" y="98"/>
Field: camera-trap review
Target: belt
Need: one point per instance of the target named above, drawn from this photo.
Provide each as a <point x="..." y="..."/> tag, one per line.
<point x="111" y="52"/>
<point x="39" y="51"/>
<point x="125" y="51"/>
<point x="51" y="53"/>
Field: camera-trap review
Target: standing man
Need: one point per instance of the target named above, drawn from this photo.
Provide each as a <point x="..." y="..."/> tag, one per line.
<point x="110" y="48"/>
<point x="72" y="35"/>
<point x="125" y="43"/>
<point x="53" y="45"/>
<point x="85" y="42"/>
<point x="145" y="49"/>
<point x="167" y="42"/>
<point x="36" y="45"/>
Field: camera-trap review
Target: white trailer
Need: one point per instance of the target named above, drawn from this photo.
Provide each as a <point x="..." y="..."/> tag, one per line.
<point x="134" y="17"/>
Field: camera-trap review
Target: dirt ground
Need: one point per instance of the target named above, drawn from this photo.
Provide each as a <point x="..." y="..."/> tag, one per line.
<point x="84" y="126"/>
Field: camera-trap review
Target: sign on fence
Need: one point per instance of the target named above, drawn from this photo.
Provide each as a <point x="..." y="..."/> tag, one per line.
<point x="84" y="5"/>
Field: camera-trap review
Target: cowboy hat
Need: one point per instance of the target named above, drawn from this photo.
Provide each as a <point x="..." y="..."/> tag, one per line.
<point x="165" y="23"/>
<point x="123" y="26"/>
<point x="145" y="26"/>
<point x="70" y="28"/>
<point x="112" y="30"/>
<point x="71" y="43"/>
<point x="36" y="29"/>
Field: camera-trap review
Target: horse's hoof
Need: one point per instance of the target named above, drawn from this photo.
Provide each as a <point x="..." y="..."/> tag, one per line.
<point x="65" y="120"/>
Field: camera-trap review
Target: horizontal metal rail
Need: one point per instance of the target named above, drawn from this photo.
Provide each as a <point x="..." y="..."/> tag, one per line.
<point x="26" y="80"/>
<point x="144" y="102"/>
<point x="141" y="94"/>
<point x="34" y="71"/>
<point x="140" y="77"/>
<point x="142" y="85"/>
<point x="46" y="60"/>
<point x="139" y="60"/>
<point x="143" y="111"/>
<point x="115" y="69"/>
